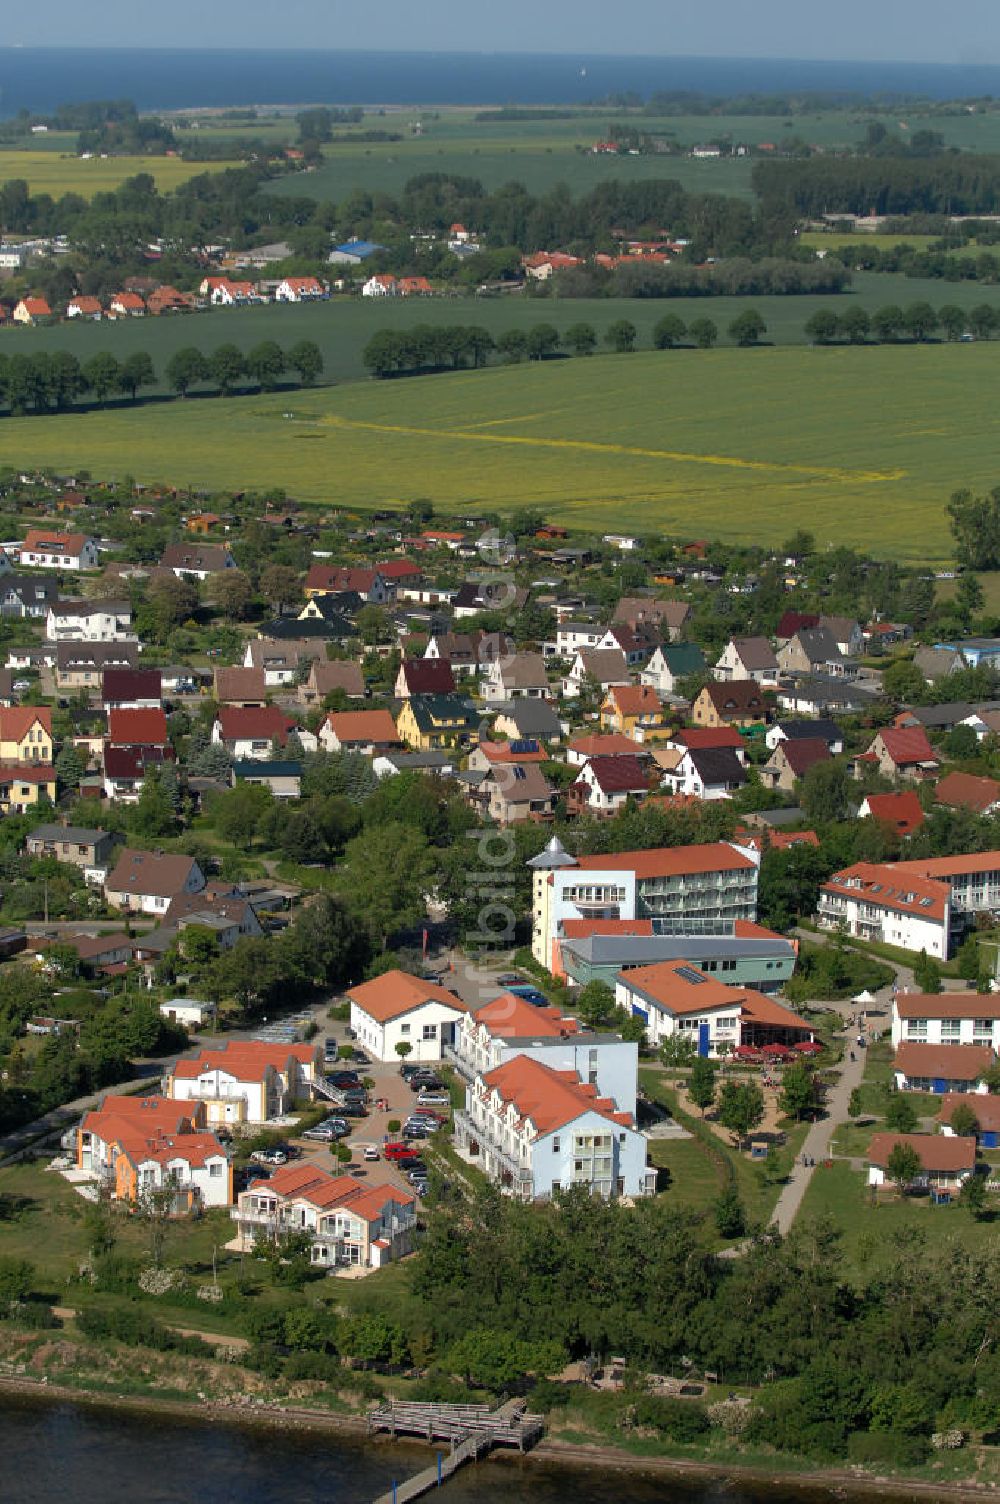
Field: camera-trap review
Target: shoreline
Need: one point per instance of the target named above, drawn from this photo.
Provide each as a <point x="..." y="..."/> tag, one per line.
<point x="830" y="1483"/>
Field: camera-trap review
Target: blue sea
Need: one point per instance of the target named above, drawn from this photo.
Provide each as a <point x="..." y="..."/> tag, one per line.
<point x="40" y="78"/>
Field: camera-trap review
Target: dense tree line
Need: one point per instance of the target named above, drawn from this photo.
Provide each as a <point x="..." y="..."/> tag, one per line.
<point x="739" y="276"/>
<point x="868" y="1371"/>
<point x="942" y="184"/>
<point x="52" y="382"/>
<point x="442" y="347"/>
<point x="890" y="324"/>
<point x="941" y="262"/>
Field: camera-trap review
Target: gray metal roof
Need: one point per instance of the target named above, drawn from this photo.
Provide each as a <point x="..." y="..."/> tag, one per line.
<point x="646" y="950"/>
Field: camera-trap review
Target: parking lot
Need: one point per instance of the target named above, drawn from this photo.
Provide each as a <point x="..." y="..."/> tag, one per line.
<point x="372" y="1129"/>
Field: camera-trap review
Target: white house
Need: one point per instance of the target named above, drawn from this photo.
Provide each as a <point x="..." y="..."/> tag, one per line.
<point x="246" y="1081"/>
<point x="942" y="1068"/>
<point x="90" y="621"/>
<point x="946" y="1018"/>
<point x="299" y="290"/>
<point x="188" y="1011"/>
<point x="509" y="1025"/>
<point x="884" y="902"/>
<point x="748" y="658"/>
<point x="382" y="285"/>
<point x="49" y="550"/>
<point x="706" y="773"/>
<point x="534" y="1130"/>
<point x="675" y="998"/>
<point x="946" y="1162"/>
<point x="135" y="1146"/>
<point x="605" y="667"/>
<point x="348" y="1223"/>
<point x="398" y="1009"/>
<point x="145" y="882"/>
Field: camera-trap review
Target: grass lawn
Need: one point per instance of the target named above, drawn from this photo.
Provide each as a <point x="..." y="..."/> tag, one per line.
<point x="737" y="443"/>
<point x="54" y="173"/>
<point x="872" y="1235"/>
<point x="705" y="1159"/>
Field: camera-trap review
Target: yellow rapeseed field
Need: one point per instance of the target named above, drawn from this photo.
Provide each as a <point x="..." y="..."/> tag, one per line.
<point x="861" y="446"/>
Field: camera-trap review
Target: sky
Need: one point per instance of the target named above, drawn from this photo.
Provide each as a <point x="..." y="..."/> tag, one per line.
<point x="965" y="31"/>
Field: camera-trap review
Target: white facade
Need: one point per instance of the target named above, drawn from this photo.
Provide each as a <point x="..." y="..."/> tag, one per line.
<point x="864" y="916"/>
<point x="603" y="1060"/>
<point x="51" y="556"/>
<point x="576" y="893"/>
<point x="188" y="1011"/>
<point x="590" y="1150"/>
<point x="107" y="621"/>
<point x="731" y="665"/>
<point x="208" y="1180"/>
<point x="340" y="1236"/>
<point x="980" y="1024"/>
<point x="426" y="1028"/>
<point x="722" y="1021"/>
<point x="685" y="779"/>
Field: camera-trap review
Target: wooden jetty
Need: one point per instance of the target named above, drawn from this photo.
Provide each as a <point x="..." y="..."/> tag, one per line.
<point x="472" y="1431"/>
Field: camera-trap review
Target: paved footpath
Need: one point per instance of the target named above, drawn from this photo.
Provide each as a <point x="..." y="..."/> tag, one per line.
<point x="819" y="1138"/>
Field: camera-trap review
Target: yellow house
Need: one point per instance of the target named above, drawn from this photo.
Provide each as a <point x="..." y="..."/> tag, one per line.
<point x="25" y="733"/>
<point x="632" y="710"/>
<point x="427" y="722"/>
<point x="22" y="786"/>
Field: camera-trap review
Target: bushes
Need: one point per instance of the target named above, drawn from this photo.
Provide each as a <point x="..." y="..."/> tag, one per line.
<point x="887" y="1449"/>
<point x="136" y="1329"/>
<point x="680" y="1420"/>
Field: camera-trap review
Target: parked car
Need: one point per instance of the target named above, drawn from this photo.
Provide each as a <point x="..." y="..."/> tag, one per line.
<point x="434" y="1099"/>
<point x="509" y="979"/>
<point x="371" y="1153"/>
<point x="321" y="1134"/>
<point x="396" y="1151"/>
<point x="421" y="1083"/>
<point x="269" y="1157"/>
<point x="431" y="1114"/>
<point x="530" y="995"/>
<point x="420" y="1185"/>
<point x="406" y="1071"/>
<point x="354" y="1110"/>
<point x="360" y="1058"/>
<point x="343" y="1078"/>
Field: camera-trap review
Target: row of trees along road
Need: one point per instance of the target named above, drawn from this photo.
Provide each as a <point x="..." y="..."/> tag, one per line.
<point x="52" y="382"/>
<point x="429" y="347"/>
<point x="890" y="324"/>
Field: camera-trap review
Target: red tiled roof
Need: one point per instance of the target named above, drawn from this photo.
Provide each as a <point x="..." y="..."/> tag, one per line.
<point x="40" y="542"/>
<point x="137" y="728"/>
<point x="801" y="755"/>
<point x="671" y="861"/>
<point x="948" y="1004"/>
<point x="705" y="738"/>
<point x="891" y="886"/>
<point x="398" y="992"/>
<point x="550" y="1099"/>
<point x="635" y="699"/>
<point x="946" y="1062"/>
<point x="941" y="1152"/>
<point x="428" y="676"/>
<point x="512" y="1017"/>
<point x="945" y="867"/>
<point x="968" y="792"/>
<point x="903" y="811"/>
<point x="905" y="745"/>
<point x="611" y="745"/>
<point x="254" y="723"/>
<point x="581" y="929"/>
<point x="985" y="1106"/>
<point x="618" y="775"/>
<point x="17" y="720"/>
<point x="376" y="726"/>
<point x="245" y="1059"/>
<point x="131" y="684"/>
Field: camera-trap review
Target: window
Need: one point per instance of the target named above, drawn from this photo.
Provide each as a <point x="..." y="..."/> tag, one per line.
<point x="555" y="1144"/>
<point x="404" y="1028"/>
<point x="430" y="1031"/>
<point x="951" y="1030"/>
<point x="215" y="1170"/>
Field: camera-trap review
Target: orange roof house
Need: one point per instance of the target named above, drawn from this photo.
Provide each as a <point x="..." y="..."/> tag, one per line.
<point x="358" y="730"/>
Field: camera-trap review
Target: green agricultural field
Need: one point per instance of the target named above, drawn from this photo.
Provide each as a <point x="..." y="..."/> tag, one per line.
<point x="859" y="445"/>
<point x="344" y="325"/>
<point x="50" y="172"/>
<point x="832" y="240"/>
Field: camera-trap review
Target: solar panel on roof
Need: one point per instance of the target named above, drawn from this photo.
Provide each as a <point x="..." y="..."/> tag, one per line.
<point x="689" y="974"/>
